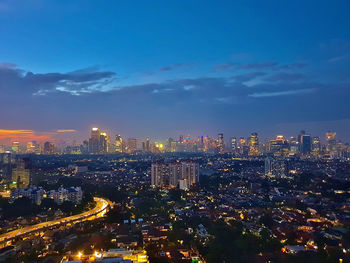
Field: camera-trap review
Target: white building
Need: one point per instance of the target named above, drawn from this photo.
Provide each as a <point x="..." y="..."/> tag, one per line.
<point x="176" y="174"/>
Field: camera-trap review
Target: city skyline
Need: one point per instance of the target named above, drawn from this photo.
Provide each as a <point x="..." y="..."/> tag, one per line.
<point x="61" y="137"/>
<point x="275" y="68"/>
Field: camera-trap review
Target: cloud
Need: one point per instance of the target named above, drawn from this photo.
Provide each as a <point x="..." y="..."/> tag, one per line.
<point x="267" y="65"/>
<point x="283" y="76"/>
<point x="66" y="131"/>
<point x="22" y="136"/>
<point x="175" y="66"/>
<point x="88" y="80"/>
<point x="281" y="93"/>
<point x="248" y="76"/>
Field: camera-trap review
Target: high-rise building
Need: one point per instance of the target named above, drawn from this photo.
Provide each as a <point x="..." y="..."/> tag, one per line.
<point x="316" y="145"/>
<point x="131" y="145"/>
<point x="94" y="141"/>
<point x="331" y="138"/>
<point x="253" y="144"/>
<point x="15" y="147"/>
<point x="306" y="143"/>
<point x="177" y="174"/>
<point x="21" y="173"/>
<point x="234" y="145"/>
<point x="104" y="140"/>
<point x="118" y="143"/>
<point x="6" y="167"/>
<point x="98" y="142"/>
<point x="49" y="148"/>
<point x="220" y="143"/>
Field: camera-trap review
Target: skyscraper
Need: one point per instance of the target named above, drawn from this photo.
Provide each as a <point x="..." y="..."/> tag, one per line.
<point x="94" y="141"/>
<point x="21" y="173"/>
<point x="49" y="148"/>
<point x="118" y="143"/>
<point x="331" y="138"/>
<point x="306" y="143"/>
<point x="6" y="167"/>
<point x="220" y="142"/>
<point x="253" y="144"/>
<point x="234" y="145"/>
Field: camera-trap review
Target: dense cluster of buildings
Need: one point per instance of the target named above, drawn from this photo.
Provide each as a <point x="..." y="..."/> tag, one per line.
<point x="37" y="194"/>
<point x="183" y="174"/>
<point x="101" y="143"/>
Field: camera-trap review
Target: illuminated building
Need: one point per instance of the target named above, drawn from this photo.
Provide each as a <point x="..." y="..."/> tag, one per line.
<point x="234" y="145"/>
<point x="103" y="142"/>
<point x="253" y="144"/>
<point x="6" y="167"/>
<point x="331" y="138"/>
<point x="220" y="142"/>
<point x="279" y="146"/>
<point x="49" y="148"/>
<point x="131" y="145"/>
<point x="306" y="143"/>
<point x="316" y="145"/>
<point x="21" y="173"/>
<point x="293" y="146"/>
<point x="98" y="142"/>
<point x="118" y="143"/>
<point x="15" y="147"/>
<point x="30" y="147"/>
<point x="94" y="141"/>
<point x="148" y="145"/>
<point x="184" y="174"/>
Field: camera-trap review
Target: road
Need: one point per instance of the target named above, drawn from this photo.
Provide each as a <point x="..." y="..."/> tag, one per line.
<point x="98" y="211"/>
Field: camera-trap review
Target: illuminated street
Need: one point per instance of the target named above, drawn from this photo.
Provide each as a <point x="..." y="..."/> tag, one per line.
<point x="98" y="211"/>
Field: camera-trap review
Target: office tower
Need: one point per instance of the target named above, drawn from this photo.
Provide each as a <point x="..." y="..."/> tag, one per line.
<point x="49" y="148"/>
<point x="234" y="145"/>
<point x="84" y="148"/>
<point x="15" y="147"/>
<point x="21" y="173"/>
<point x="6" y="167"/>
<point x="306" y="143"/>
<point x="293" y="146"/>
<point x="118" y="143"/>
<point x="148" y="144"/>
<point x="302" y="132"/>
<point x="131" y="145"/>
<point x="220" y="142"/>
<point x="316" y="145"/>
<point x="104" y="140"/>
<point x="30" y="147"/>
<point x="94" y="141"/>
<point x="176" y="174"/>
<point x="181" y="139"/>
<point x="275" y="168"/>
<point x="253" y="144"/>
<point x="279" y="146"/>
<point x="331" y="138"/>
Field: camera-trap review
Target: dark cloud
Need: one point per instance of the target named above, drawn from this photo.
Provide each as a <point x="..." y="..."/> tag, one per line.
<point x="165" y="105"/>
<point x="85" y="80"/>
<point x="175" y="66"/>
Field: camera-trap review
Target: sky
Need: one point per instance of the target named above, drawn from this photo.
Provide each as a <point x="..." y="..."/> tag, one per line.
<point x="163" y="68"/>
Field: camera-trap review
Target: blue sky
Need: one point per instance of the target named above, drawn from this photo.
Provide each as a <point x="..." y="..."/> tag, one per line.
<point x="161" y="68"/>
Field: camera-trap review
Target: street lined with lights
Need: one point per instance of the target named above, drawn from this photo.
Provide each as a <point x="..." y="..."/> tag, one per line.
<point x="98" y="211"/>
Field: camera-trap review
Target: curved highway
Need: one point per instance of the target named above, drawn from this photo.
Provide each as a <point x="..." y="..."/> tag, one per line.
<point x="98" y="211"/>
